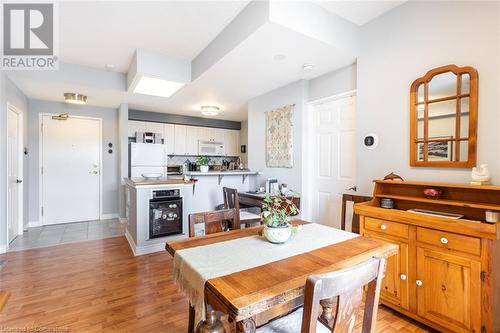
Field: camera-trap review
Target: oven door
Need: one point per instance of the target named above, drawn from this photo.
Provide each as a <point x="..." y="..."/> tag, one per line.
<point x="165" y="217"/>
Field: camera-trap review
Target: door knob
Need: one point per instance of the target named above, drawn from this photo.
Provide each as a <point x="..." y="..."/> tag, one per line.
<point x="419" y="283"/>
<point x="352" y="188"/>
<point x="93" y="172"/>
<point x="19" y="181"/>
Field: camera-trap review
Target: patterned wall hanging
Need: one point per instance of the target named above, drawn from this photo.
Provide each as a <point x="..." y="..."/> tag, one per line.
<point x="279" y="137"/>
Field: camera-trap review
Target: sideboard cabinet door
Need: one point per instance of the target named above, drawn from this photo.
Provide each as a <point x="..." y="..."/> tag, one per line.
<point x="449" y="290"/>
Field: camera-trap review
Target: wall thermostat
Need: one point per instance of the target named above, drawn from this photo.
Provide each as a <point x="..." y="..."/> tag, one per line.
<point x="370" y="141"/>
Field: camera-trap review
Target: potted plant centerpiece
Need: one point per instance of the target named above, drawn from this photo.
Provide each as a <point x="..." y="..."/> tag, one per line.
<point x="275" y="217"/>
<point x="203" y="163"/>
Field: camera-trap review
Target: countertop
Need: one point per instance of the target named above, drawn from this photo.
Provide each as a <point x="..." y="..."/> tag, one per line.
<point x="223" y="173"/>
<point x="134" y="182"/>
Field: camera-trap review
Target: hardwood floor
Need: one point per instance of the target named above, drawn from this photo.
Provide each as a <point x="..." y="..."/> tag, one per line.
<point x="99" y="286"/>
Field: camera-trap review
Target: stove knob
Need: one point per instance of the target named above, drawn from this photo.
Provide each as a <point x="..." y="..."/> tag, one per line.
<point x="164" y="216"/>
<point x="171" y="214"/>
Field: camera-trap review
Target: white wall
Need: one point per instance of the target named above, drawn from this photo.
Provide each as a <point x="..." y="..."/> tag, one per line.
<point x="333" y="83"/>
<point x="404" y="44"/>
<point x="110" y="167"/>
<point x="295" y="93"/>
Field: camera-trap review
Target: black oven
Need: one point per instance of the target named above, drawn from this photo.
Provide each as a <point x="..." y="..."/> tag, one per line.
<point x="165" y="213"/>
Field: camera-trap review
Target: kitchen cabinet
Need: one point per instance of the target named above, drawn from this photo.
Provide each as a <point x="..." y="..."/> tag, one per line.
<point x="154" y="127"/>
<point x="232" y="142"/>
<point x="191" y="140"/>
<point x="169" y="138"/>
<point x="209" y="134"/>
<point x="449" y="289"/>
<point x="135" y="126"/>
<point x="180" y="139"/>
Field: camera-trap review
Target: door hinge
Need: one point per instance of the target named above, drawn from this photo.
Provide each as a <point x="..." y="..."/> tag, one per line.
<point x="42" y="211"/>
<point x="42" y="170"/>
<point x="483" y="276"/>
<point x="483" y="329"/>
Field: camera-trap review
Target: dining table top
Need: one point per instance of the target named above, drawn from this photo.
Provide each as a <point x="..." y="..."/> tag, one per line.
<point x="248" y="292"/>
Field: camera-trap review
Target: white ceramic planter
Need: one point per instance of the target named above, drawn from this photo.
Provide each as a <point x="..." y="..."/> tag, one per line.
<point x="204" y="168"/>
<point x="278" y="235"/>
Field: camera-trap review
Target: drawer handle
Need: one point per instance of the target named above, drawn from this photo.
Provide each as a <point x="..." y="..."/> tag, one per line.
<point x="383" y="227"/>
<point x="444" y="240"/>
<point x="419" y="283"/>
<point x="403" y="277"/>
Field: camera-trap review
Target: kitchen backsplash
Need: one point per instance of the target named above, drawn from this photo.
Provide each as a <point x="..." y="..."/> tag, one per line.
<point x="180" y="160"/>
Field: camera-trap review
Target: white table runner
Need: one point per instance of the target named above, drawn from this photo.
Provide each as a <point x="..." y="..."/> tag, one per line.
<point x="194" y="266"/>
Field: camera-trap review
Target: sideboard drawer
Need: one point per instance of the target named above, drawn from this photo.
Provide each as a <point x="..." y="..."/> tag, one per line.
<point x="386" y="227"/>
<point x="450" y="241"/>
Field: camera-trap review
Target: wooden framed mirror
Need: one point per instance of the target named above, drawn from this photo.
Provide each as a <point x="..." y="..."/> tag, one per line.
<point x="443" y="118"/>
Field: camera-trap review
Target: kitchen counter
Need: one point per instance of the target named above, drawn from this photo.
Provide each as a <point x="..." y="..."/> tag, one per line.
<point x="223" y="173"/>
<point x="134" y="182"/>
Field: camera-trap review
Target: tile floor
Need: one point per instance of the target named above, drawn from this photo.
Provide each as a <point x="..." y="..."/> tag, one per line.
<point x="67" y="233"/>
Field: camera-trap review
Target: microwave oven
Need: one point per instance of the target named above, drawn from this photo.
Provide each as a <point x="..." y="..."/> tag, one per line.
<point x="211" y="148"/>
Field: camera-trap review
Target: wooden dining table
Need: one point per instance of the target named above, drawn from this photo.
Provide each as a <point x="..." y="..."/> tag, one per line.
<point x="255" y="296"/>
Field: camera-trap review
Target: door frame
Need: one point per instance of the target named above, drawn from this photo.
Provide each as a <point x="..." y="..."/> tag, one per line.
<point x="40" y="160"/>
<point x="20" y="170"/>
<point x="307" y="158"/>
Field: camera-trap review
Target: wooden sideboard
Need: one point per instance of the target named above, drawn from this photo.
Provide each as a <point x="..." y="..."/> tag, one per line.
<point x="447" y="271"/>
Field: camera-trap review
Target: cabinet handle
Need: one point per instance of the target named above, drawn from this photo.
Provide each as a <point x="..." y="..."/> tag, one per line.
<point x="383" y="227"/>
<point x="419" y="283"/>
<point x="444" y="240"/>
<point x="403" y="277"/>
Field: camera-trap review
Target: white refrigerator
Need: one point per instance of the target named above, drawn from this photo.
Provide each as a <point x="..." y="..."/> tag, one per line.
<point x="147" y="158"/>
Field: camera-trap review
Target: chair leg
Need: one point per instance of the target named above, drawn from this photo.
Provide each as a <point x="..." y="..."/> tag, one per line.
<point x="191" y="319"/>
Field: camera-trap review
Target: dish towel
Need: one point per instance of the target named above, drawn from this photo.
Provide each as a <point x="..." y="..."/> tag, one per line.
<point x="194" y="266"/>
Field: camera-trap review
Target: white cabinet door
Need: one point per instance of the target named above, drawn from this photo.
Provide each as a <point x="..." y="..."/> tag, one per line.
<point x="204" y="134"/>
<point x="135" y="126"/>
<point x="169" y="138"/>
<point x="217" y="134"/>
<point x="180" y="139"/>
<point x="154" y="127"/>
<point x="191" y="140"/>
<point x="232" y="142"/>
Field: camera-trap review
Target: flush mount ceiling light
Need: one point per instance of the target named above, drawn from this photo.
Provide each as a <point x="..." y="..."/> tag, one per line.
<point x="210" y="110"/>
<point x="73" y="98"/>
<point x="156" y="87"/>
<point x="308" y="67"/>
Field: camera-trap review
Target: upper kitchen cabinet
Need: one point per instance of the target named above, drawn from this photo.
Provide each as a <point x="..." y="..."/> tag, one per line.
<point x="135" y="126"/>
<point x="209" y="134"/>
<point x="232" y="142"/>
<point x="191" y="140"/>
<point x="154" y="127"/>
<point x="169" y="138"/>
<point x="185" y="140"/>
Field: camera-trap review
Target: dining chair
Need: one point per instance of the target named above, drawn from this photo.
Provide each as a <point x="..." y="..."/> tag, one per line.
<point x="344" y="286"/>
<point x="201" y="224"/>
<point x="232" y="200"/>
<point x="355" y="218"/>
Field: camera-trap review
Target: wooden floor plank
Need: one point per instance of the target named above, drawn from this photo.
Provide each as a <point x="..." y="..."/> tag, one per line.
<point x="99" y="286"/>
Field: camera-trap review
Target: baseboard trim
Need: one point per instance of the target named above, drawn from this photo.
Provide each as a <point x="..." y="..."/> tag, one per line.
<point x="33" y="224"/>
<point x="142" y="250"/>
<point x="110" y="216"/>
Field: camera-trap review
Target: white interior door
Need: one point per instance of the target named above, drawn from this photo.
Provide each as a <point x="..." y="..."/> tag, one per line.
<point x="14" y="172"/>
<point x="334" y="157"/>
<point x="71" y="161"/>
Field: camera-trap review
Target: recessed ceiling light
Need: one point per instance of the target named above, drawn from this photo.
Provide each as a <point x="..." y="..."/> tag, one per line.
<point x="210" y="110"/>
<point x="148" y="85"/>
<point x="307" y="67"/>
<point x="109" y="67"/>
<point x="279" y="57"/>
<point x="73" y="98"/>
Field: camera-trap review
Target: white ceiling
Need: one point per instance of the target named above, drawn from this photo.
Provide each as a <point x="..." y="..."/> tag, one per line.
<point x="359" y="11"/>
<point x="98" y="33"/>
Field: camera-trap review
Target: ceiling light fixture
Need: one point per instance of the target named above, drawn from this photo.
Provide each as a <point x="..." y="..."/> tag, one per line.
<point x="73" y="98"/>
<point x="153" y="86"/>
<point x="307" y="67"/>
<point x="210" y="110"/>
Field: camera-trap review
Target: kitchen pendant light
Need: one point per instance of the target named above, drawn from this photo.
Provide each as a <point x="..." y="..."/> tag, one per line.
<point x="210" y="110"/>
<point x="73" y="98"/>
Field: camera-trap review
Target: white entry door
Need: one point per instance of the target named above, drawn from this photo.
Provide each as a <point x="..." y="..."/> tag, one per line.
<point x="70" y="169"/>
<point x="15" y="173"/>
<point x="334" y="158"/>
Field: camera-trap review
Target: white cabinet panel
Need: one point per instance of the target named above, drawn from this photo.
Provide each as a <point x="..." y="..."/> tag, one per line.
<point x="232" y="142"/>
<point x="217" y="134"/>
<point x="154" y="127"/>
<point x="204" y="134"/>
<point x="135" y="126"/>
<point x="169" y="138"/>
<point x="180" y="139"/>
<point x="191" y="140"/>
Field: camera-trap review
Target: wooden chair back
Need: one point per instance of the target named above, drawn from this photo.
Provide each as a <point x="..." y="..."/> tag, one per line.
<point x="355" y="218"/>
<point x="347" y="286"/>
<point x="231" y="198"/>
<point x="215" y="221"/>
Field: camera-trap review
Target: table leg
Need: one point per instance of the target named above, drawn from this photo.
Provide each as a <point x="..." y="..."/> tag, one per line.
<point x="191" y="319"/>
<point x="246" y="326"/>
